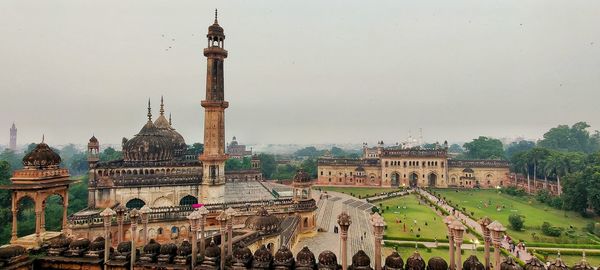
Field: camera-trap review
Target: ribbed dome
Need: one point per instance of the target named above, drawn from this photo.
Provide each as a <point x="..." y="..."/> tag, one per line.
<point x="361" y="259"/>
<point x="284" y="256"/>
<point x="164" y="125"/>
<point x="510" y="264"/>
<point x="301" y="176"/>
<point x="394" y="261"/>
<point x="305" y="257"/>
<point x="437" y="263"/>
<point x="41" y="156"/>
<point x="263" y="221"/>
<point x="472" y="263"/>
<point x="152" y="247"/>
<point x="328" y="259"/>
<point x="415" y="262"/>
<point x="558" y="264"/>
<point x="150" y="144"/>
<point x="534" y="264"/>
<point x="185" y="248"/>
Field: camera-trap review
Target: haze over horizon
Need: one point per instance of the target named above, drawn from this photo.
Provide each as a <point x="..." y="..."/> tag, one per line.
<point x="306" y="72"/>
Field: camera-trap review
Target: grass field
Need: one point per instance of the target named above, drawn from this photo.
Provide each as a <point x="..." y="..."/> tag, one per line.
<point x="413" y="216"/>
<point x="571" y="260"/>
<point x="358" y="191"/>
<point x="485" y="203"/>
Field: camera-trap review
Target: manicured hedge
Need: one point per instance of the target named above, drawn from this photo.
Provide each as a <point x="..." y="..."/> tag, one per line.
<point x="419" y="239"/>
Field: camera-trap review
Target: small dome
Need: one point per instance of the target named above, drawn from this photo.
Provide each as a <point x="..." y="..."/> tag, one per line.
<point x="185" y="248"/>
<point x="534" y="264"/>
<point x="472" y="263"/>
<point x="242" y="254"/>
<point x="60" y="242"/>
<point x="415" y="262"/>
<point x="216" y="30"/>
<point x="360" y="169"/>
<point x="8" y="252"/>
<point x="262" y="254"/>
<point x="168" y="249"/>
<point x="305" y="257"/>
<point x="97" y="244"/>
<point x="93" y="139"/>
<point x="437" y="263"/>
<point x="468" y="170"/>
<point x="394" y="261"/>
<point x="558" y="264"/>
<point x="361" y="259"/>
<point x="124" y="247"/>
<point x="284" y="256"/>
<point x="81" y="243"/>
<point x="152" y="247"/>
<point x="328" y="258"/>
<point x="302" y="177"/>
<point x="41" y="156"/>
<point x="212" y="251"/>
<point x="263" y="221"/>
<point x="582" y="265"/>
<point x="510" y="264"/>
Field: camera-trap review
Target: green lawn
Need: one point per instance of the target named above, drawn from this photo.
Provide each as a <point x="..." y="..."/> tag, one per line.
<point x="498" y="206"/>
<point x="413" y="216"/>
<point x="358" y="191"/>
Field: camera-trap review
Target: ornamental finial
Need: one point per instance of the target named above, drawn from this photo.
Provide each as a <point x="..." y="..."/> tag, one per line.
<point x="216" y="15"/>
<point x="162" y="106"/>
<point x="149" y="111"/>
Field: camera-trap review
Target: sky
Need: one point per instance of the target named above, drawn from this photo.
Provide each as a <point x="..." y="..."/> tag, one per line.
<point x="301" y="72"/>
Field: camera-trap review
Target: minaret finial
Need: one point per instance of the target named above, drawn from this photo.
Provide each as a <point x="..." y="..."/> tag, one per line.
<point x="149" y="111"/>
<point x="216" y="15"/>
<point x="170" y="123"/>
<point x="43" y="137"/>
<point x="162" y="106"/>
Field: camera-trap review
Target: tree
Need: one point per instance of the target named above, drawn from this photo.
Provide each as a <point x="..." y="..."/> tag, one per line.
<point x="456" y="148"/>
<point x="516" y="221"/>
<point x="310" y="151"/>
<point x="310" y="167"/>
<point x="484" y="148"/>
<point x="520" y="163"/>
<point x="337" y="152"/>
<point x="575" y="193"/>
<point x="196" y="148"/>
<point x="268" y="165"/>
<point x="13" y="159"/>
<point x="110" y="154"/>
<point x="535" y="155"/>
<point x="556" y="164"/>
<point x="518" y="147"/>
<point x="575" y="138"/>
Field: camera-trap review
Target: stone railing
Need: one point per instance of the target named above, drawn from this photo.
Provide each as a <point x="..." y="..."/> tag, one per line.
<point x="156" y="180"/>
<point x="414" y="153"/>
<point x="478" y="163"/>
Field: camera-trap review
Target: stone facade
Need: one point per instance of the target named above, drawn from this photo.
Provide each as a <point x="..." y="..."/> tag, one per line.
<point x="398" y="167"/>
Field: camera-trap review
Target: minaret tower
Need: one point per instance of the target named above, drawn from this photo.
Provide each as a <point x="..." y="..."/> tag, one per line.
<point x="13" y="138"/>
<point x="93" y="156"/>
<point x="214" y="157"/>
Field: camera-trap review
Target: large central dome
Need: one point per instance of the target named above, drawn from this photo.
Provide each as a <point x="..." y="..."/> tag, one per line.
<point x="150" y="144"/>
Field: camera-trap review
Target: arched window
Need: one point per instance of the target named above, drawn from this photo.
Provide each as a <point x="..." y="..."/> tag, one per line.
<point x="188" y="200"/>
<point x="135" y="203"/>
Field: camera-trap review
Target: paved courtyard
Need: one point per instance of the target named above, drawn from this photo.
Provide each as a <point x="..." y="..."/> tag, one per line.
<point x="360" y="234"/>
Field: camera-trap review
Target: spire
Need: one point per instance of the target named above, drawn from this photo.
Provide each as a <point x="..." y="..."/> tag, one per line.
<point x="170" y="123"/>
<point x="216" y="15"/>
<point x="149" y="111"/>
<point x="43" y="137"/>
<point x="162" y="106"/>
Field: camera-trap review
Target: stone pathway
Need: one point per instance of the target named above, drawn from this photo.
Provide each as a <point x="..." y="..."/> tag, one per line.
<point x="360" y="234"/>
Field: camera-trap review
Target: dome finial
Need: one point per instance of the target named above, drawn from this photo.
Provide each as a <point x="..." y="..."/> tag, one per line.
<point x="216" y="15"/>
<point x="162" y="106"/>
<point x="170" y="123"/>
<point x="43" y="137"/>
<point x="149" y="111"/>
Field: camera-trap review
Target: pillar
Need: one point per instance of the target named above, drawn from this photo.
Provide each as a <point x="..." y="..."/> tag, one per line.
<point x="458" y="242"/>
<point x="14" y="216"/>
<point x="230" y="235"/>
<point x="145" y="225"/>
<point x="222" y="222"/>
<point x="65" y="207"/>
<point x="38" y="218"/>
<point x="202" y="243"/>
<point x="43" y="219"/>
<point x="344" y="222"/>
<point x="378" y="227"/>
<point x="119" y="227"/>
<point x="133" y="216"/>
<point x="484" y="222"/>
<point x="448" y="220"/>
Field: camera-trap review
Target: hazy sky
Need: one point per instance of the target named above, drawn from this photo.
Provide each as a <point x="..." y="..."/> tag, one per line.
<point x="301" y="71"/>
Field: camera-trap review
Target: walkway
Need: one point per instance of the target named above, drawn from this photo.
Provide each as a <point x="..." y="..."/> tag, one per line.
<point x="360" y="234"/>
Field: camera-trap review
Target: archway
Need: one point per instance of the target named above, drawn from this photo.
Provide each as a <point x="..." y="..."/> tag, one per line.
<point x="135" y="203"/>
<point x="162" y="202"/>
<point x="188" y="200"/>
<point x="395" y="179"/>
<point x="413" y="179"/>
<point x="53" y="213"/>
<point x="25" y="216"/>
<point x="432" y="179"/>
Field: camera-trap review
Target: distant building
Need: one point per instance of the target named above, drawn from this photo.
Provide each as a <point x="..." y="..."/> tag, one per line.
<point x="235" y="150"/>
<point x="13" y="138"/>
<point x="411" y="167"/>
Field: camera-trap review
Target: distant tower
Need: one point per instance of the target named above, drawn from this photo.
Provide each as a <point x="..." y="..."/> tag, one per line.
<point x="213" y="158"/>
<point x="93" y="156"/>
<point x="13" y="138"/>
<point x="255" y="162"/>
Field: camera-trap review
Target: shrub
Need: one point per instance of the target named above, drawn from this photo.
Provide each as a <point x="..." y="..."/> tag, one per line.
<point x="374" y="209"/>
<point x="593" y="228"/>
<point x="543" y="196"/>
<point x="550" y="230"/>
<point x="516" y="221"/>
<point x="514" y="191"/>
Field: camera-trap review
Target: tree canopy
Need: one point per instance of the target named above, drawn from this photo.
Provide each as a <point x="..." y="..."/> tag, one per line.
<point x="484" y="148"/>
<point x="575" y="138"/>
